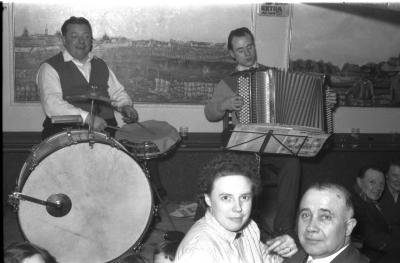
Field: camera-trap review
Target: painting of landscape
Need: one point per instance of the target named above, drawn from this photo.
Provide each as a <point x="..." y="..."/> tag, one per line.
<point x="359" y="53"/>
<point x="180" y="70"/>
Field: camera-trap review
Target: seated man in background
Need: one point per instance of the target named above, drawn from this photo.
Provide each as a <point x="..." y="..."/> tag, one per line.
<point x="372" y="229"/>
<point x="226" y="232"/>
<point x="225" y="100"/>
<point x="390" y="205"/>
<point x="72" y="73"/>
<point x="325" y="223"/>
<point x="389" y="202"/>
<point x="26" y="252"/>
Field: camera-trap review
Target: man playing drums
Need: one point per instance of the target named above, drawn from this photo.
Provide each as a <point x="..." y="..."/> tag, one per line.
<point x="76" y="72"/>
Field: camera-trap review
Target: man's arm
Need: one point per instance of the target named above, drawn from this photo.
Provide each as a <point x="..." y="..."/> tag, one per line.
<point x="117" y="92"/>
<point x="51" y="95"/>
<point x="121" y="100"/>
<point x="223" y="99"/>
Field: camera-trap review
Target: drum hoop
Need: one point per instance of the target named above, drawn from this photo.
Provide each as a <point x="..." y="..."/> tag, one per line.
<point x="31" y="162"/>
<point x="29" y="170"/>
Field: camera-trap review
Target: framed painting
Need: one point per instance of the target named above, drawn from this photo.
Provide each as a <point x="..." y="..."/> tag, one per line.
<point x="162" y="54"/>
<point x="356" y="45"/>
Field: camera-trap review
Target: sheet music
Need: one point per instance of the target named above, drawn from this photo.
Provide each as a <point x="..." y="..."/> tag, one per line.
<point x="287" y="140"/>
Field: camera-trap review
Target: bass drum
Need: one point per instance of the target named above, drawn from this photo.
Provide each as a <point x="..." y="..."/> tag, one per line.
<point x="110" y="195"/>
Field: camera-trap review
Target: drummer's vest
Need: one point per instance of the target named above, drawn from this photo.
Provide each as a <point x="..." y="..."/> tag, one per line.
<point x="73" y="83"/>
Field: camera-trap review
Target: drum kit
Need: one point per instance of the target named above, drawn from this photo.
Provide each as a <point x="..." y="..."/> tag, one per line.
<point x="88" y="197"/>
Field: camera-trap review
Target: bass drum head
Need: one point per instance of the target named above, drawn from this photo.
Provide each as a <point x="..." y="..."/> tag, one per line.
<point x="111" y="203"/>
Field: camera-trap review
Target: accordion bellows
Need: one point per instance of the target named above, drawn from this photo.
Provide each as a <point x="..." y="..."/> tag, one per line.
<point x="285" y="98"/>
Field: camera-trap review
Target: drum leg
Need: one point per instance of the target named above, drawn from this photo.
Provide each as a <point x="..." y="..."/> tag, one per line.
<point x="152" y="167"/>
<point x="154" y="188"/>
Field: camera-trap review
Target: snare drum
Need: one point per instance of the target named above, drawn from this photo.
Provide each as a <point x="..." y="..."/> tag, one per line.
<point x="148" y="139"/>
<point x="111" y="197"/>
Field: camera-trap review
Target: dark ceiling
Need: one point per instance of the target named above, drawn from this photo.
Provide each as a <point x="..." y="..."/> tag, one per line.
<point x="387" y="12"/>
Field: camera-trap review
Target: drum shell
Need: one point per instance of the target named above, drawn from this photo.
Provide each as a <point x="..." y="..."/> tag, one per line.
<point x="149" y="139"/>
<point x="111" y="196"/>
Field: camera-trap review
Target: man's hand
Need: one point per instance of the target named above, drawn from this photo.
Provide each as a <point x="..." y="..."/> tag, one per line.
<point x="129" y="114"/>
<point x="284" y="246"/>
<point x="99" y="123"/>
<point x="234" y="103"/>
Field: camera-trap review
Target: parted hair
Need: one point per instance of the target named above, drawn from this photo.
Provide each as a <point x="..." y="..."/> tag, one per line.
<point x="168" y="249"/>
<point x="132" y="258"/>
<point x="17" y="252"/>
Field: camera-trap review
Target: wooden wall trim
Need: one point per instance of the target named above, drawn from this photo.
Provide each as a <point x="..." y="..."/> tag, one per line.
<point x="24" y="141"/>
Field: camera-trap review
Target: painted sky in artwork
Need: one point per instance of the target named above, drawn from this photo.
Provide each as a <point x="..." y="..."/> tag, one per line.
<point x="338" y="37"/>
<point x="209" y="23"/>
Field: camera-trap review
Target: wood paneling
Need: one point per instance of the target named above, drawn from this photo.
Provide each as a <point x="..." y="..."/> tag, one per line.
<point x="180" y="168"/>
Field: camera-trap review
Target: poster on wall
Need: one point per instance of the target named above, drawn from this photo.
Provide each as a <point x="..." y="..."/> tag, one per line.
<point x="161" y="54"/>
<point x="356" y="46"/>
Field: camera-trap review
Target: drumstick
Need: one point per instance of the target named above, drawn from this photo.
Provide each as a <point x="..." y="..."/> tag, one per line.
<point x="117" y="129"/>
<point x="114" y="128"/>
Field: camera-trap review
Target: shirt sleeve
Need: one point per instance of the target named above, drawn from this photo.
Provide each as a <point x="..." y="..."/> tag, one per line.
<point x="117" y="92"/>
<point x="212" y="109"/>
<point x="51" y="96"/>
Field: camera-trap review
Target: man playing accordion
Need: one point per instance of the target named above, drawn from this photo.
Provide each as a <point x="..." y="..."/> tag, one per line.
<point x="225" y="100"/>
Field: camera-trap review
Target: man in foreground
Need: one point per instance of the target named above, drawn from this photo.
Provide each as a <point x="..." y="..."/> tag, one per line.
<point x="325" y="223"/>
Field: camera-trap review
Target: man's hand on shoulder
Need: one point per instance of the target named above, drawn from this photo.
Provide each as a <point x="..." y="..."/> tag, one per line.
<point x="284" y="246"/>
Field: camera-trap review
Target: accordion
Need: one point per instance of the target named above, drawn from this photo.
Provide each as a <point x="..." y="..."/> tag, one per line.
<point x="283" y="112"/>
<point x="284" y="98"/>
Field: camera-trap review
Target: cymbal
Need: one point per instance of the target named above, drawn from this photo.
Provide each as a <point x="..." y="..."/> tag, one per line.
<point x="90" y="96"/>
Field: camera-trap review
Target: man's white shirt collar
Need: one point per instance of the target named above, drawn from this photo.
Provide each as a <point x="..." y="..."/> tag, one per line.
<point x="68" y="57"/>
<point x="327" y="259"/>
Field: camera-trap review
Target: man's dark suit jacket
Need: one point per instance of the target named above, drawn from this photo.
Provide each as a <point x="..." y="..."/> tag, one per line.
<point x="349" y="255"/>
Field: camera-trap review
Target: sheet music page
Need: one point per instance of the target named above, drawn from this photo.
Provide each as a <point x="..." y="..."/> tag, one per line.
<point x="287" y="140"/>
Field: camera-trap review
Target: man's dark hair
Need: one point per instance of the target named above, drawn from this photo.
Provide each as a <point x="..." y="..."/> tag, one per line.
<point x="364" y="169"/>
<point x="75" y="20"/>
<point x="395" y="162"/>
<point x="167" y="248"/>
<point x="17" y="252"/>
<point x="239" y="32"/>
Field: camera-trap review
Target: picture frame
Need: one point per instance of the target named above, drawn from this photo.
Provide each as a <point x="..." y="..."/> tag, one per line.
<point x="166" y="65"/>
<point x="355" y="45"/>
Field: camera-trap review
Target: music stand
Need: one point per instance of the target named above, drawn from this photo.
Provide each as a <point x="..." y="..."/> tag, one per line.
<point x="277" y="139"/>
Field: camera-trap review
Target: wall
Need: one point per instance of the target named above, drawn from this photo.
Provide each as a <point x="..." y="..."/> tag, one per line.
<point x="272" y="40"/>
<point x="30" y="117"/>
<point x="367" y="120"/>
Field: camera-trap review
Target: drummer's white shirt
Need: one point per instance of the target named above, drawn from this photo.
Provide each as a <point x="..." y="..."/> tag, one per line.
<point x="49" y="85"/>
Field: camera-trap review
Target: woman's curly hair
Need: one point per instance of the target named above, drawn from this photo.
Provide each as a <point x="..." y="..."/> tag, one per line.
<point x="230" y="163"/>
